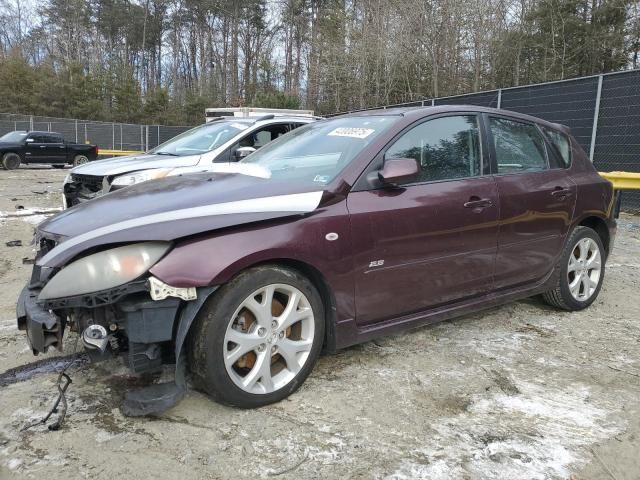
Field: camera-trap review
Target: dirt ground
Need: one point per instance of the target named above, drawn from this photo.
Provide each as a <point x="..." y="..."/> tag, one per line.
<point x="518" y="392"/>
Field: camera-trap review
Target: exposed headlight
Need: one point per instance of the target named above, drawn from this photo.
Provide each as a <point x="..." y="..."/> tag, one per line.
<point x="104" y="270"/>
<point x="139" y="177"/>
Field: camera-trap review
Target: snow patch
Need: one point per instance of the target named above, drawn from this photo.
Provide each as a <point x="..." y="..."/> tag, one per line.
<point x="540" y="433"/>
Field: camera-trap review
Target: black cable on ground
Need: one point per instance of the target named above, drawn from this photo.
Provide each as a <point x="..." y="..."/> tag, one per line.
<point x="62" y="384"/>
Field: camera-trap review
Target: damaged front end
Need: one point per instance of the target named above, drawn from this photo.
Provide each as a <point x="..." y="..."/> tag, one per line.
<point x="118" y="309"/>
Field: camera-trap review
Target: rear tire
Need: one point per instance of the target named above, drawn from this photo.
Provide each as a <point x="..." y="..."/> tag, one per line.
<point x="257" y="339"/>
<point x="80" y="160"/>
<point x="581" y="272"/>
<point x="11" y="161"/>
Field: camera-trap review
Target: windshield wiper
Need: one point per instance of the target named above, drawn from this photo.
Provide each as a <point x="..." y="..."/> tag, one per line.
<point x="166" y="153"/>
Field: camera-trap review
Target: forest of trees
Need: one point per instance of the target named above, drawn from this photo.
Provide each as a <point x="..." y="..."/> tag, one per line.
<point x="164" y="61"/>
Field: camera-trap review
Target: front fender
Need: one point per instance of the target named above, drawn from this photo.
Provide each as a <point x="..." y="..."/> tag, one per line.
<point x="214" y="258"/>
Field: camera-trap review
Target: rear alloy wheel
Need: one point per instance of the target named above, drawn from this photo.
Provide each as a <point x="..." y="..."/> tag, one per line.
<point x="258" y="338"/>
<point x="581" y="271"/>
<point x="11" y="161"/>
<point x="80" y="160"/>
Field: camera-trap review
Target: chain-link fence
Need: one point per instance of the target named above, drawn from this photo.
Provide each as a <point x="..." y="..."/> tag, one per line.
<point x="603" y="112"/>
<point x="107" y="135"/>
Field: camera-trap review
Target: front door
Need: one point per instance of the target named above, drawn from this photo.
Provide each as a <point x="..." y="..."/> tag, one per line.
<point x="433" y="241"/>
<point x="45" y="148"/>
<point x="537" y="199"/>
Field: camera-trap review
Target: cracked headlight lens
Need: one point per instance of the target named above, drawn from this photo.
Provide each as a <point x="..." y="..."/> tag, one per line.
<point x="104" y="270"/>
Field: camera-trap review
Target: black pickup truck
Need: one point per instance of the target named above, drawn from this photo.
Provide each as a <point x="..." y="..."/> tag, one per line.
<point x="42" y="147"/>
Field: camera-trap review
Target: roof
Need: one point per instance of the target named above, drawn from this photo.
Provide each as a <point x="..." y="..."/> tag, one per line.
<point x="37" y="131"/>
<point x="419" y="112"/>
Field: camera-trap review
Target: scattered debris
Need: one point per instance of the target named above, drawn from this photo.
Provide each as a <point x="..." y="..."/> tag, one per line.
<point x="624" y="371"/>
<point x="13" y="243"/>
<point x="25" y="212"/>
<point x="291" y="468"/>
<point x="543" y="332"/>
<point x="28" y="261"/>
<point x="40" y="367"/>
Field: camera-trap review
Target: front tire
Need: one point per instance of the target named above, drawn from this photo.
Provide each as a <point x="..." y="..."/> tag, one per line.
<point x="257" y="339"/>
<point x="80" y="160"/>
<point x="11" y="161"/>
<point x="581" y="272"/>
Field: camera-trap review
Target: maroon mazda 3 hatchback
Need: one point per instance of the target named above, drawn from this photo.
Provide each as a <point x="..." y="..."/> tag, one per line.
<point x="338" y="232"/>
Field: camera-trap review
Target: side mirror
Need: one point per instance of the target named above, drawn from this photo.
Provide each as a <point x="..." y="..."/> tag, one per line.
<point x="243" y="152"/>
<point x="29" y="140"/>
<point x="398" y="170"/>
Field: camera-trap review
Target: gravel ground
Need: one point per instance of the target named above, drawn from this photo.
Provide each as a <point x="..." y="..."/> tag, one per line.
<point x="518" y="392"/>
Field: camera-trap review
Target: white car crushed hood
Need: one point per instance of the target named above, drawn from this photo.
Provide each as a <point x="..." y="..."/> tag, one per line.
<point x="120" y="165"/>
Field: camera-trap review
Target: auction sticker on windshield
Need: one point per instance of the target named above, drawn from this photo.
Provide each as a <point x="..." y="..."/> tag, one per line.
<point x="351" y="132"/>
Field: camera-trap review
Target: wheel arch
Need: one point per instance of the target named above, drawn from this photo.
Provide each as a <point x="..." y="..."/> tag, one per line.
<point x="322" y="285"/>
<point x="17" y="152"/>
<point x="599" y="225"/>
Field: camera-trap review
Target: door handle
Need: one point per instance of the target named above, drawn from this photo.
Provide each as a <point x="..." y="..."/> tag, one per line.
<point x="477" y="202"/>
<point x="561" y="192"/>
<point x="43" y="146"/>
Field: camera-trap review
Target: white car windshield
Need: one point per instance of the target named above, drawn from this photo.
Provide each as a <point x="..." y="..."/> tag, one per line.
<point x="319" y="151"/>
<point x="13" y="137"/>
<point x="201" y="139"/>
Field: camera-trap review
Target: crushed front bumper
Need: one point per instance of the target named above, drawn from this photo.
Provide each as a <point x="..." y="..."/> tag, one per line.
<point x="44" y="328"/>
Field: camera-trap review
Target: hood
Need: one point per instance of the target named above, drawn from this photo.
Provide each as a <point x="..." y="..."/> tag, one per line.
<point x="120" y="165"/>
<point x="4" y="145"/>
<point x="171" y="208"/>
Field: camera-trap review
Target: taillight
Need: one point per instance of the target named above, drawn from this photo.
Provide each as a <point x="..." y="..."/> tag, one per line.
<point x="97" y="150"/>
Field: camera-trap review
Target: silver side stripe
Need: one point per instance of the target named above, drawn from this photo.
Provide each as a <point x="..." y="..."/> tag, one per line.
<point x="294" y="203"/>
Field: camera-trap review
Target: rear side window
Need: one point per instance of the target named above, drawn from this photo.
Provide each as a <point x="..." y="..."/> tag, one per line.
<point x="562" y="144"/>
<point x="445" y="148"/>
<point x="52" y="139"/>
<point x="519" y="146"/>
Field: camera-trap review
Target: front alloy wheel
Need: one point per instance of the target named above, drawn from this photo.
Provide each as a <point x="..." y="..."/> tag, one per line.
<point x="269" y="338"/>
<point x="258" y="338"/>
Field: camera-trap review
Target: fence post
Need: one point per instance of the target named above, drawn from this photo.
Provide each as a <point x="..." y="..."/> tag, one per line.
<point x="141" y="137"/>
<point x="113" y="136"/>
<point x="158" y="142"/>
<point x="30" y="122"/>
<point x="76" y="122"/>
<point x="121" y="137"/>
<point x="433" y="102"/>
<point x="596" y="113"/>
<point x="499" y="98"/>
<point x="85" y="132"/>
<point x="146" y="143"/>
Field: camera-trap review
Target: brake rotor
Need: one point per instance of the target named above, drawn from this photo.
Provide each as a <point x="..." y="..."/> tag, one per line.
<point x="245" y="321"/>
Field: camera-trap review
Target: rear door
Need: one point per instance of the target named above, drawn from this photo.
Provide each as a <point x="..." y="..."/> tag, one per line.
<point x="537" y="199"/>
<point x="433" y="241"/>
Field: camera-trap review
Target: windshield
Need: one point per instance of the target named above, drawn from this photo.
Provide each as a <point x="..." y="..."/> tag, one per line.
<point x="317" y="152"/>
<point x="201" y="139"/>
<point x="13" y="137"/>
